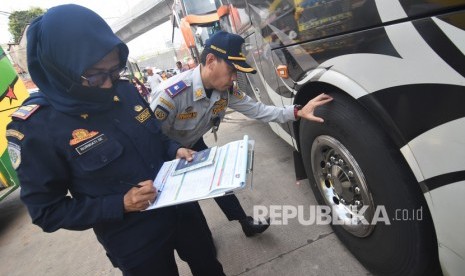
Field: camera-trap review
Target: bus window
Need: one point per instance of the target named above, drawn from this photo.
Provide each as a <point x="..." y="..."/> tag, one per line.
<point x="201" y="7"/>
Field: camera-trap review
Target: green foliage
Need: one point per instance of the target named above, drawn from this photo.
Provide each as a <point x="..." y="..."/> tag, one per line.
<point x="20" y="19"/>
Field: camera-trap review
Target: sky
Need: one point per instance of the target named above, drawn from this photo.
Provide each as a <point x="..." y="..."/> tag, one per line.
<point x="110" y="10"/>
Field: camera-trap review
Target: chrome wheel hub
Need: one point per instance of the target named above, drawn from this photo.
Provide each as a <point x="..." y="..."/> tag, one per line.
<point x="342" y="184"/>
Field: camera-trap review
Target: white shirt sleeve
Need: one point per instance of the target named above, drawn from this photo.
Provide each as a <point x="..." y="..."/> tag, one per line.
<point x="257" y="110"/>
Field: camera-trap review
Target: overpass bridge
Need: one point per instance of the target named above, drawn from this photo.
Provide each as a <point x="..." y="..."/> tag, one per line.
<point x="144" y="16"/>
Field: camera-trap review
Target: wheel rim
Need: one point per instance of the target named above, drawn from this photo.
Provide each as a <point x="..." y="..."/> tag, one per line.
<point x="342" y="184"/>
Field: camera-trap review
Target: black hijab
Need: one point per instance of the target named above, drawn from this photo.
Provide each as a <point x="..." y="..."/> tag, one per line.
<point x="61" y="45"/>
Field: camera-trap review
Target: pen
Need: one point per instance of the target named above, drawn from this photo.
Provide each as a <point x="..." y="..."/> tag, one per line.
<point x="131" y="184"/>
<point x="134" y="185"/>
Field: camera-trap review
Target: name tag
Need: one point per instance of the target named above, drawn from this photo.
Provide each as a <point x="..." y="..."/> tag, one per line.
<point x="143" y="116"/>
<point x="91" y="144"/>
<point x="186" y="116"/>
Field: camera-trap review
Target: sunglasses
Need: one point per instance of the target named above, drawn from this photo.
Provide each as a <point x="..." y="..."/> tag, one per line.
<point x="99" y="79"/>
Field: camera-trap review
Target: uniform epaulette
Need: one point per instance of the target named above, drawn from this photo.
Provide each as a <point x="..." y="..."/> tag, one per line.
<point x="175" y="89"/>
<point x="25" y="111"/>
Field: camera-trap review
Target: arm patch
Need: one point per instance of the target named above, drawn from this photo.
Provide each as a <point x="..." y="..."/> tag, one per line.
<point x="14" y="151"/>
<point x="161" y="113"/>
<point x="234" y="90"/>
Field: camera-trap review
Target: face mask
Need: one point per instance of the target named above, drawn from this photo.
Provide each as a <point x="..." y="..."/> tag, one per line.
<point x="92" y="94"/>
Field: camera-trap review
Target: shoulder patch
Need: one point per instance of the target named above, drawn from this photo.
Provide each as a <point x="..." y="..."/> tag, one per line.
<point x="25" y="111"/>
<point x="175" y="89"/>
<point x="161" y="113"/>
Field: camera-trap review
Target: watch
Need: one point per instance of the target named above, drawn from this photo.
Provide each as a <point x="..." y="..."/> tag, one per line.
<point x="297" y="107"/>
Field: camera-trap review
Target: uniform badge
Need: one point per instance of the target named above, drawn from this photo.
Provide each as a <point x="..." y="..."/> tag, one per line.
<point x="84" y="116"/>
<point x="186" y="116"/>
<point x="167" y="103"/>
<point x="80" y="135"/>
<point x="198" y="93"/>
<point x="25" y="111"/>
<point x="161" y="113"/>
<point x="143" y="116"/>
<point x="175" y="89"/>
<point x="138" y="108"/>
<point x="116" y="99"/>
<point x="14" y="133"/>
<point x="14" y="151"/>
<point x="219" y="106"/>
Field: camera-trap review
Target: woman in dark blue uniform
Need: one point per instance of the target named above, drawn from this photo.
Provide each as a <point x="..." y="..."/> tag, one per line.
<point x="78" y="143"/>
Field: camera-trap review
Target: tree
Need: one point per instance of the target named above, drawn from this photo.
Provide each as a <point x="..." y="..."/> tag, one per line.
<point x="20" y="19"/>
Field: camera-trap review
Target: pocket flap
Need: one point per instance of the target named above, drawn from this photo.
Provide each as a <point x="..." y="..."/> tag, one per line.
<point x="100" y="156"/>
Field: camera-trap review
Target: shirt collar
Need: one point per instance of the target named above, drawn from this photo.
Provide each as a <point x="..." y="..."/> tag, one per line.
<point x="197" y="85"/>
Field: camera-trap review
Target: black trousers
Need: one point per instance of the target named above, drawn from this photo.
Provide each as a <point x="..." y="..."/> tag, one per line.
<point x="229" y="204"/>
<point x="193" y="242"/>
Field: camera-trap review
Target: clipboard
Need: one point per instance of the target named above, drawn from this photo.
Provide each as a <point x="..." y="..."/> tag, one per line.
<point x="231" y="171"/>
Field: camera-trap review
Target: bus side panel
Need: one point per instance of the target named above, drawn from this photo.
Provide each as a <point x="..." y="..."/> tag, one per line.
<point x="265" y="82"/>
<point x="388" y="64"/>
<point x="413" y="76"/>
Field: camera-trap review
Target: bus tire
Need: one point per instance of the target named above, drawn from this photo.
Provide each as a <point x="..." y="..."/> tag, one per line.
<point x="352" y="164"/>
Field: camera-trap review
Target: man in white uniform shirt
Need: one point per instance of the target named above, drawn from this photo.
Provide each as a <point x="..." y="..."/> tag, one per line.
<point x="190" y="104"/>
<point x="153" y="80"/>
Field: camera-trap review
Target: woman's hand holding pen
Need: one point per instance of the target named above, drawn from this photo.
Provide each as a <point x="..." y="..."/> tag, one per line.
<point x="140" y="196"/>
<point x="143" y="194"/>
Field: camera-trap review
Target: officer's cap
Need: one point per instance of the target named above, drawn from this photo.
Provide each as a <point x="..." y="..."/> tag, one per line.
<point x="228" y="47"/>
